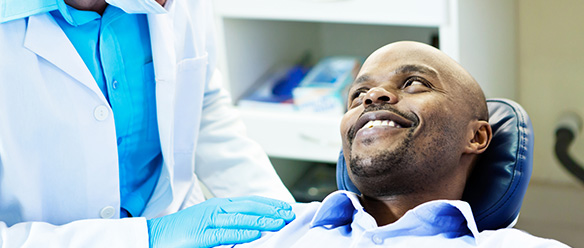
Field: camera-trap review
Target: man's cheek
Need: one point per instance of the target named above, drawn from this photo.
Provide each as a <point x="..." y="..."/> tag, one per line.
<point x="345" y="129"/>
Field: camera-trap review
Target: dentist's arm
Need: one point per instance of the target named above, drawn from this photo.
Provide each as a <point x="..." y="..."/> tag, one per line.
<point x="211" y="223"/>
<point x="129" y="232"/>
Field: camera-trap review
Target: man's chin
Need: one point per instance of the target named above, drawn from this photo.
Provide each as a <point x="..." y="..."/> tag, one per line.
<point x="369" y="163"/>
<point x="368" y="149"/>
<point x="381" y="174"/>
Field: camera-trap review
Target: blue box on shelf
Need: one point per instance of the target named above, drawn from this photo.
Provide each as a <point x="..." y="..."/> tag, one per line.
<point x="323" y="89"/>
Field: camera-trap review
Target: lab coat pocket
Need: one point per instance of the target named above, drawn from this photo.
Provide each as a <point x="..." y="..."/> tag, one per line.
<point x="190" y="86"/>
<point x="190" y="64"/>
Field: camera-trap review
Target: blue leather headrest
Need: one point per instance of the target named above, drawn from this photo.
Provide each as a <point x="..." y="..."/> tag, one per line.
<point x="496" y="187"/>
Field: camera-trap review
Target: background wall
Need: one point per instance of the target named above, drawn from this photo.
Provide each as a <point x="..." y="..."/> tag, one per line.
<point x="551" y="82"/>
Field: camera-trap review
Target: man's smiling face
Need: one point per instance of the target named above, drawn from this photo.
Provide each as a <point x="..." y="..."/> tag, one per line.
<point x="406" y="123"/>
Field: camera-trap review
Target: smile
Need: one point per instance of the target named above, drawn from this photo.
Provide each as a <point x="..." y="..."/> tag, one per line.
<point x="382" y="118"/>
<point x="381" y="123"/>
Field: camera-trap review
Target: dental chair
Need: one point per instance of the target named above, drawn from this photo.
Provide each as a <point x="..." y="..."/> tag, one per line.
<point x="496" y="187"/>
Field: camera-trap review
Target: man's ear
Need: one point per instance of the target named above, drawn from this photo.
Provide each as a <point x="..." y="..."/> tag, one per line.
<point x="480" y="137"/>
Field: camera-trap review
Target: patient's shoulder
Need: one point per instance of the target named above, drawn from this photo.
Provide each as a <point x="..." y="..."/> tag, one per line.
<point x="305" y="211"/>
<point x="511" y="237"/>
<point x="292" y="231"/>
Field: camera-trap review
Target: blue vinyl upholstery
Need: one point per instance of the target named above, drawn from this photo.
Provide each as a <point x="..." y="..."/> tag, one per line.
<point x="496" y="187"/>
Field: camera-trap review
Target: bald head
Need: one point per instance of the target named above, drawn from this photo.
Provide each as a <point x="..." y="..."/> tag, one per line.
<point x="415" y="122"/>
<point x="469" y="91"/>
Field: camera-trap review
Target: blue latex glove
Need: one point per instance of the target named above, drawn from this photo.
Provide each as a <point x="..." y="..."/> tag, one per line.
<point x="219" y="221"/>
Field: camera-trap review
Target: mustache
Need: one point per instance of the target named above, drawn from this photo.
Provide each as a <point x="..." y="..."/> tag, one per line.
<point x="376" y="107"/>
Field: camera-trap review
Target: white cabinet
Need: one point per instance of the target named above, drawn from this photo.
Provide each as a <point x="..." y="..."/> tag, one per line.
<point x="255" y="36"/>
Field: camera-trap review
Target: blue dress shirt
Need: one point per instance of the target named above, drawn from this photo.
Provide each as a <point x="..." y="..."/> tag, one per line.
<point x="116" y="49"/>
<point x="341" y="221"/>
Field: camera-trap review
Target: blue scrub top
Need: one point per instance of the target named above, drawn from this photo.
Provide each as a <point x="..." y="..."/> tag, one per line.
<point x="116" y="48"/>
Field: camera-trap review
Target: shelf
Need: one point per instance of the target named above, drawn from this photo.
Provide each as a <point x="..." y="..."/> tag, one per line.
<point x="256" y="36"/>
<point x="295" y="135"/>
<point x="386" y="12"/>
<point x="255" y="47"/>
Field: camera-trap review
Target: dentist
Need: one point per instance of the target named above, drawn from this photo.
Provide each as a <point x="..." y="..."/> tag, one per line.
<point x="111" y="109"/>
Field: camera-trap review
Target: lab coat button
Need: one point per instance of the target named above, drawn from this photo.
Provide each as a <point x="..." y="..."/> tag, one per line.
<point x="377" y="240"/>
<point x="100" y="113"/>
<point x="115" y="84"/>
<point x="107" y="212"/>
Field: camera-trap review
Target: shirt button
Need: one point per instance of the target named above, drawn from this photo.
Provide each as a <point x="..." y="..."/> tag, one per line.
<point x="377" y="240"/>
<point x="107" y="212"/>
<point x="100" y="112"/>
<point x="115" y="84"/>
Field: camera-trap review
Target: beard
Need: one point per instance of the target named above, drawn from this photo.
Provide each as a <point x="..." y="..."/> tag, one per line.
<point x="403" y="170"/>
<point x="374" y="175"/>
<point x="382" y="162"/>
<point x="414" y="165"/>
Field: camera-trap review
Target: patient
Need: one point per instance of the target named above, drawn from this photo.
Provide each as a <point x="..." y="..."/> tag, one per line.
<point x="416" y="122"/>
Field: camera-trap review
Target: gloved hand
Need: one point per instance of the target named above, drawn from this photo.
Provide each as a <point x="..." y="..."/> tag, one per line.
<point x="219" y="221"/>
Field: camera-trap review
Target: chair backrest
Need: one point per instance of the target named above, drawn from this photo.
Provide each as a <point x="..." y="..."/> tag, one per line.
<point x="496" y="187"/>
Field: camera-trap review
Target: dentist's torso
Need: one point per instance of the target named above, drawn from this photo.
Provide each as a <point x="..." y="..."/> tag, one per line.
<point x="58" y="150"/>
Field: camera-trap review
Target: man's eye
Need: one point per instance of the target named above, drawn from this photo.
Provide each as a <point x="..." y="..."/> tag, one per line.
<point x="415" y="81"/>
<point x="358" y="93"/>
<point x="357" y="97"/>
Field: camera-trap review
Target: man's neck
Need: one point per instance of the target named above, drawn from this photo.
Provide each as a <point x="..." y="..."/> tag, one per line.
<point x="90" y="5"/>
<point x="95" y="5"/>
<point x="388" y="209"/>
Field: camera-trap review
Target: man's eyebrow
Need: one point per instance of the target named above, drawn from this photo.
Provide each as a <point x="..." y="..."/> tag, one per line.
<point x="405" y="69"/>
<point x="361" y="79"/>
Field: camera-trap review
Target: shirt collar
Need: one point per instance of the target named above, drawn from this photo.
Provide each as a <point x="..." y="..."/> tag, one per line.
<point x="337" y="209"/>
<point x="138" y="6"/>
<point x="343" y="207"/>
<point x="74" y="16"/>
<point x="448" y="214"/>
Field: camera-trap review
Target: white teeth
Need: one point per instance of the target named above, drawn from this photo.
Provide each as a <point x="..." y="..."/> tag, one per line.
<point x="369" y="124"/>
<point x="376" y="123"/>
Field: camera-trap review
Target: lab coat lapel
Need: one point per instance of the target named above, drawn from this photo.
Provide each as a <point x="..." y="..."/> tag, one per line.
<point x="45" y="38"/>
<point x="164" y="59"/>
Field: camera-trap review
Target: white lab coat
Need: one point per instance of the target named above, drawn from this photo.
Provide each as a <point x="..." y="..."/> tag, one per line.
<point x="58" y="150"/>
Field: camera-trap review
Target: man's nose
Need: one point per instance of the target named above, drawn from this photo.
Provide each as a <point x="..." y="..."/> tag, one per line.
<point x="378" y="95"/>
